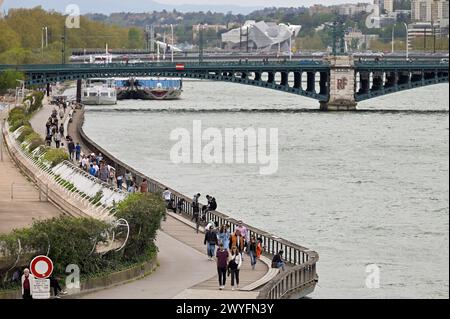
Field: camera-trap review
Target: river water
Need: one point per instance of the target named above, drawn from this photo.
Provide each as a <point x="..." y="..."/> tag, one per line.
<point x="360" y="188"/>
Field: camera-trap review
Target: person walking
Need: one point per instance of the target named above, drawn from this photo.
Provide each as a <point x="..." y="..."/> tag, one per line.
<point x="237" y="240"/>
<point x="77" y="152"/>
<point x="195" y="214"/>
<point x="259" y="248"/>
<point x="27" y="284"/>
<point x="57" y="139"/>
<point x="61" y="129"/>
<point x="234" y="266"/>
<point x="244" y="232"/>
<point x="210" y="242"/>
<point x="252" y="252"/>
<point x="71" y="147"/>
<point x="224" y="236"/>
<point x="61" y="114"/>
<point x="103" y="173"/>
<point x="222" y="256"/>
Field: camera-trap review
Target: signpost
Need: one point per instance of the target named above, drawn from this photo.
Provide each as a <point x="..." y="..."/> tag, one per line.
<point x="41" y="267"/>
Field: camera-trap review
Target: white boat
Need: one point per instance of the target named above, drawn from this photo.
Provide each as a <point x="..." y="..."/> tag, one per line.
<point x="99" y="92"/>
<point x="149" y="88"/>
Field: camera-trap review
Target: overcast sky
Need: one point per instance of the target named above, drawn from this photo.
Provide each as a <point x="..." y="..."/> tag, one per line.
<point x="249" y="3"/>
<point x="263" y="3"/>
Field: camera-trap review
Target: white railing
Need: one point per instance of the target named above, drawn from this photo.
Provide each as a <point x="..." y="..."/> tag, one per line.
<point x="84" y="186"/>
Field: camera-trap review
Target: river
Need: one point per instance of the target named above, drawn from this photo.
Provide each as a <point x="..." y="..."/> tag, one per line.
<point x="360" y="188"/>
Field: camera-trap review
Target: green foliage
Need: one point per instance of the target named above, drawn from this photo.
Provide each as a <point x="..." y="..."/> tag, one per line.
<point x="97" y="197"/>
<point x="26" y="130"/>
<point x="143" y="211"/>
<point x="34" y="140"/>
<point x="135" y="38"/>
<point x="21" y="36"/>
<point x="71" y="242"/>
<point x="8" y="79"/>
<point x="54" y="156"/>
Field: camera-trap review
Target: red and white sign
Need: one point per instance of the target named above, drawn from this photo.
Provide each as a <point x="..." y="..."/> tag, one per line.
<point x="179" y="66"/>
<point x="41" y="267"/>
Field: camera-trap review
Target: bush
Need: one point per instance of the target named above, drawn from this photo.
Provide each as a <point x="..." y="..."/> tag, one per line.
<point x="54" y="156"/>
<point x="15" y="125"/>
<point x="34" y="140"/>
<point x="26" y="130"/>
<point x="16" y="111"/>
<point x="71" y="241"/>
<point x="143" y="211"/>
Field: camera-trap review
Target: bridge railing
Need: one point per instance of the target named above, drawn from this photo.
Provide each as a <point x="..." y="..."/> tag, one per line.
<point x="51" y="67"/>
<point x="302" y="275"/>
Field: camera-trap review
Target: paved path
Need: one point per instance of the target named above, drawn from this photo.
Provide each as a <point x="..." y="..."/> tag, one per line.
<point x="25" y="206"/>
<point x="180" y="267"/>
<point x="184" y="270"/>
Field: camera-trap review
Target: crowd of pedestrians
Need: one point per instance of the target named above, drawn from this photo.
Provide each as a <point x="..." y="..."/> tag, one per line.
<point x="231" y="250"/>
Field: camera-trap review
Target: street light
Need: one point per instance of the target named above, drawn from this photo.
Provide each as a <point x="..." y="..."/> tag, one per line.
<point x="290" y="45"/>
<point x="407" y="40"/>
<point x="171" y="48"/>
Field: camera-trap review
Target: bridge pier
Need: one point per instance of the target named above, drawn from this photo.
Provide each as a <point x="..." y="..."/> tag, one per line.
<point x="78" y="95"/>
<point x="342" y="84"/>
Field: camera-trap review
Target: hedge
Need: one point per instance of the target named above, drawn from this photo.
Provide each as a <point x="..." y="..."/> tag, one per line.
<point x="34" y="140"/>
<point x="73" y="240"/>
<point x="54" y="156"/>
<point x="26" y="130"/>
<point x="143" y="211"/>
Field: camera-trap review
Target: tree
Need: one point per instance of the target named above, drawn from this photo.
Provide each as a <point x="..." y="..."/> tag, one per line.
<point x="8" y="80"/>
<point x="135" y="39"/>
<point x="8" y="38"/>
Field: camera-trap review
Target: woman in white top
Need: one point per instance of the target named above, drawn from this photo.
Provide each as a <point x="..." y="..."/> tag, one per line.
<point x="234" y="266"/>
<point x="27" y="284"/>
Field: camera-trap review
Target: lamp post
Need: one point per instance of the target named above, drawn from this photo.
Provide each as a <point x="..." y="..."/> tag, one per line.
<point x="393" y="40"/>
<point x="407" y="41"/>
<point x="290" y="46"/>
<point x="171" y="48"/>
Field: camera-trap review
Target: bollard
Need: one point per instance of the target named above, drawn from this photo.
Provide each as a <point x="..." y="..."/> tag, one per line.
<point x="12" y="190"/>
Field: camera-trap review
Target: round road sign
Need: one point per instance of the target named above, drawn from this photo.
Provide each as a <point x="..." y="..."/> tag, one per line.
<point x="41" y="267"/>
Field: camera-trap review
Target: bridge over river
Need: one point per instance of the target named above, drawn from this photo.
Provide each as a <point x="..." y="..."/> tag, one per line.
<point x="337" y="81"/>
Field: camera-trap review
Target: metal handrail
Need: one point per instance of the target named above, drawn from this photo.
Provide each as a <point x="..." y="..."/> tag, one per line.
<point x="301" y="259"/>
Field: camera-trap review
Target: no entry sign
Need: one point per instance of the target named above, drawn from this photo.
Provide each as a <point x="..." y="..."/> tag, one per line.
<point x="41" y="267"/>
<point x="179" y="66"/>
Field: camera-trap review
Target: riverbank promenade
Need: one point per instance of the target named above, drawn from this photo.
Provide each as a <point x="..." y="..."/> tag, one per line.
<point x="20" y="199"/>
<point x="184" y="270"/>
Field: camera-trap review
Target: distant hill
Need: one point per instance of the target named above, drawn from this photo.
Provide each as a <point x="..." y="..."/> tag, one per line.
<point x="110" y="6"/>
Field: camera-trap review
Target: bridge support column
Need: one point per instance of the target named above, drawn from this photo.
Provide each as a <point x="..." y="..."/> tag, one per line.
<point x="78" y="95"/>
<point x="47" y="90"/>
<point x="342" y="84"/>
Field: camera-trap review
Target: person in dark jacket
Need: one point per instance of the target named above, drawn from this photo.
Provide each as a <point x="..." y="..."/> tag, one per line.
<point x="71" y="147"/>
<point x="210" y="242"/>
<point x="277" y="261"/>
<point x="222" y="265"/>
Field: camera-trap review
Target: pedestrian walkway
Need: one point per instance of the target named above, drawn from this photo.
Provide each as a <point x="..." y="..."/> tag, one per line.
<point x="184" y="271"/>
<point x="19" y="198"/>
